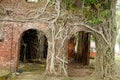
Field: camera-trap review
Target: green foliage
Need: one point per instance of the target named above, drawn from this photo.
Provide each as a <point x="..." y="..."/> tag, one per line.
<point x="118" y="17"/>
<point x="117" y="58"/>
<point x="90" y="1"/>
<point x="118" y="26"/>
<point x="95" y="21"/>
<point x="104" y="13"/>
<point x="118" y="37"/>
<point x="69" y="4"/>
<point x="96" y="11"/>
<point x="92" y="39"/>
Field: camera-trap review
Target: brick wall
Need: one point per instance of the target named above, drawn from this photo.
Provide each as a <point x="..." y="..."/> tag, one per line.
<point x="9" y="47"/>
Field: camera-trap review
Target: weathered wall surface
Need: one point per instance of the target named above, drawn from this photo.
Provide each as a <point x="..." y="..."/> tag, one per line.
<point x="16" y="16"/>
<point x="12" y="15"/>
<point x="21" y="10"/>
<point x="9" y="47"/>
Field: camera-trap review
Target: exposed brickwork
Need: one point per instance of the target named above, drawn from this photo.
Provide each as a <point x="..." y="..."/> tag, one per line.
<point x="12" y="14"/>
<point x="17" y="10"/>
<point x="9" y="48"/>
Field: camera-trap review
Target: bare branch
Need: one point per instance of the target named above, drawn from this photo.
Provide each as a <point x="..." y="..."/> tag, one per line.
<point x="94" y="30"/>
<point x="62" y="60"/>
<point x="60" y="29"/>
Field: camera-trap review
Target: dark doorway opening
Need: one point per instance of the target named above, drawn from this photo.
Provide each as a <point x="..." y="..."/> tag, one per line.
<point x="79" y="54"/>
<point x="79" y="48"/>
<point x="33" y="48"/>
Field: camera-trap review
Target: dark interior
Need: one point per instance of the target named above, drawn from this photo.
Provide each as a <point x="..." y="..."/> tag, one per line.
<point x="33" y="46"/>
<point x="79" y="48"/>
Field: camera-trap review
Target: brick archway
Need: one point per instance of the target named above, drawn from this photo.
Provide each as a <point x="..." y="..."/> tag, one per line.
<point x="42" y="28"/>
<point x="9" y="49"/>
<point x="33" y="46"/>
<point x="82" y="56"/>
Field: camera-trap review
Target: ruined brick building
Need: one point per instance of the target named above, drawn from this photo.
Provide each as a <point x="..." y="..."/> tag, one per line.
<point x="12" y="30"/>
<point x="21" y="20"/>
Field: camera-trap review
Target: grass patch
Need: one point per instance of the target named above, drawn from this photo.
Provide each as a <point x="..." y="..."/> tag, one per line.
<point x="4" y="75"/>
<point x="26" y="68"/>
<point x="33" y="67"/>
<point x="117" y="58"/>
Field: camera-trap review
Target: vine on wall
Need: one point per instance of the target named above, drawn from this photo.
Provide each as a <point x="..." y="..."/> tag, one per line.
<point x="94" y="15"/>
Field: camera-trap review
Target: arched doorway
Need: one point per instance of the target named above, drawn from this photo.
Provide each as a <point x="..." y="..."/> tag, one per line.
<point x="33" y="48"/>
<point x="79" y="54"/>
<point x="79" y="47"/>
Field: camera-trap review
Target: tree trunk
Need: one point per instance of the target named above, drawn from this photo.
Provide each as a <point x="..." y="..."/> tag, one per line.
<point x="83" y="48"/>
<point x="105" y="68"/>
<point x="57" y="49"/>
<point x="57" y="61"/>
<point x="99" y="13"/>
<point x="105" y="43"/>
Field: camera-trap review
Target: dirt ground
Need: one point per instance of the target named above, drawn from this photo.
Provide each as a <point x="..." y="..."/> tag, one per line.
<point x="34" y="71"/>
<point x="77" y="70"/>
